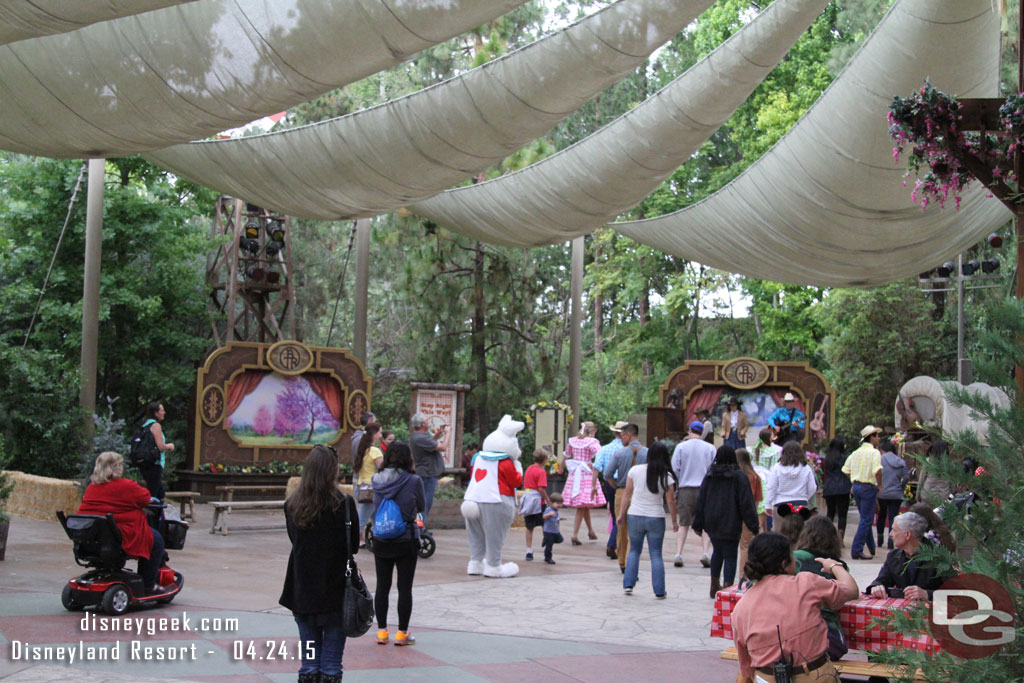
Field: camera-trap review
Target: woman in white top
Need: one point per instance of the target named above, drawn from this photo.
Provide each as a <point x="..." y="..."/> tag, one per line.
<point x="791" y="479"/>
<point x="649" y="487"/>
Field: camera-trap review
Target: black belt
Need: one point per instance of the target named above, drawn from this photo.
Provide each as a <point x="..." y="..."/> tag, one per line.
<point x="798" y="669"/>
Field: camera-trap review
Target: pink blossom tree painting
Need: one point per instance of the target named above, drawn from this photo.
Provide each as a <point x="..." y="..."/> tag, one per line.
<point x="263" y="422"/>
<point x="301" y="407"/>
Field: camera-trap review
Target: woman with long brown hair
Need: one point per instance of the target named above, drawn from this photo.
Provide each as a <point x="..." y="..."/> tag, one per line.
<point x="367" y="462"/>
<point x="323" y="527"/>
<point x="756" y="489"/>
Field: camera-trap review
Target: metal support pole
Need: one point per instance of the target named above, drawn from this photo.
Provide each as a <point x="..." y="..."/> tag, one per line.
<point x="91" y="292"/>
<point x="575" y="331"/>
<point x="362" y="289"/>
<point x="964" y="371"/>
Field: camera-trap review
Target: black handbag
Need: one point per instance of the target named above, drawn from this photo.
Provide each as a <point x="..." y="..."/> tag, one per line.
<point x="357" y="614"/>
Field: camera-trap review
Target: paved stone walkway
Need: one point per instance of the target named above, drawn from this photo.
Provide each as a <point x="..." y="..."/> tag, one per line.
<point x="567" y="622"/>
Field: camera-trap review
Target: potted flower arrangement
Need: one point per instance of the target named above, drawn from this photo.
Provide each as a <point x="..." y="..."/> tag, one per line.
<point x="945" y="157"/>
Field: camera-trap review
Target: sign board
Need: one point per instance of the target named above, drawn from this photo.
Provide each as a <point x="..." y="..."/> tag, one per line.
<point x="550" y="430"/>
<point x="441" y="406"/>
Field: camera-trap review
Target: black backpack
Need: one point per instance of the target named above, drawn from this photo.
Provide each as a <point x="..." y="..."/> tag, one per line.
<point x="143" y="447"/>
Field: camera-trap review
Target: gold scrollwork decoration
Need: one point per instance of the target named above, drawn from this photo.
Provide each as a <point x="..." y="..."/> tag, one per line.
<point x="213" y="405"/>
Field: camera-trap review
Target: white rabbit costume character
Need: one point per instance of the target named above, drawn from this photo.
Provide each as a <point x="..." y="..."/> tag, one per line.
<point x="490" y="506"/>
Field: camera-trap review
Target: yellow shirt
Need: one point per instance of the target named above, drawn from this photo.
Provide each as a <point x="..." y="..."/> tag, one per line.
<point x="862" y="464"/>
<point x="369" y="467"/>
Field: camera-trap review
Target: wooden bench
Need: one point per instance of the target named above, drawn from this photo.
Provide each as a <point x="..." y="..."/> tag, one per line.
<point x="853" y="668"/>
<point x="221" y="508"/>
<point x="227" y="493"/>
<point x="184" y="498"/>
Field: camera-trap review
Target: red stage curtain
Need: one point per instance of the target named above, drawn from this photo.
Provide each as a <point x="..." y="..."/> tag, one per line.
<point x="327" y="389"/>
<point x="777" y="395"/>
<point x="242" y="386"/>
<point x="705" y="399"/>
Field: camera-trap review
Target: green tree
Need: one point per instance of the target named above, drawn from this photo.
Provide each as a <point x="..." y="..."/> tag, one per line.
<point x="153" y="328"/>
<point x="875" y="340"/>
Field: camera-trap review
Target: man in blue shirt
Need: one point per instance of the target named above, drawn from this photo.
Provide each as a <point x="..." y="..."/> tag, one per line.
<point x="788" y="421"/>
<point x="600" y="460"/>
<point x="615" y="471"/>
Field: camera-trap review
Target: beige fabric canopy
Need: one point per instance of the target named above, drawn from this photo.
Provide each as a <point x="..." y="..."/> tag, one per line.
<point x="587" y="185"/>
<point x="180" y="73"/>
<point x="825" y="205"/>
<point x="21" y="19"/>
<point x="383" y="158"/>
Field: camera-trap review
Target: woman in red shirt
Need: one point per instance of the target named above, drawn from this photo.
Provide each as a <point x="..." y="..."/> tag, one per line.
<point x="109" y="492"/>
<point x="783" y="605"/>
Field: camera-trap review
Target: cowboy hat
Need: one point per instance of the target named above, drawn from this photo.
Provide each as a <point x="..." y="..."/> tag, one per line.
<point x="869" y="430"/>
<point x="617" y="427"/>
<point x="789" y="397"/>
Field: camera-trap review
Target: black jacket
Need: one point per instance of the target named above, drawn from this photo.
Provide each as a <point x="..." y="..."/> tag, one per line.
<point x="724" y="504"/>
<point x="897" y="574"/>
<point x="315" y="581"/>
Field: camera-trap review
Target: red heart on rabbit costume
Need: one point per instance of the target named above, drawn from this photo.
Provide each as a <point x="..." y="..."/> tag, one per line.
<point x="479" y="474"/>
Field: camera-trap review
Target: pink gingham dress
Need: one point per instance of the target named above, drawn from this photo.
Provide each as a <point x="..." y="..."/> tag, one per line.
<point x="582" y="450"/>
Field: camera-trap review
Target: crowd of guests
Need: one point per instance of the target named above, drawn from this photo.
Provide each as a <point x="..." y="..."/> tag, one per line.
<point x="755" y="512"/>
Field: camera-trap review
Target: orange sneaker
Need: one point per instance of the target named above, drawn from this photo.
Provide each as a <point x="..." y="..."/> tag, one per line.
<point x="404" y="638"/>
<point x="382" y="636"/>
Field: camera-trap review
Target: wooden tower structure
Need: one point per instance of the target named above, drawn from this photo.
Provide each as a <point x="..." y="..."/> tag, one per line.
<point x="250" y="274"/>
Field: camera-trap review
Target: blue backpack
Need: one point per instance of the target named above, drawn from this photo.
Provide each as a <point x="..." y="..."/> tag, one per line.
<point x="388" y="523"/>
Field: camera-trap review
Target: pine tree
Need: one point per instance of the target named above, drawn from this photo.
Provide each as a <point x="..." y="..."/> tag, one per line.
<point x="990" y="537"/>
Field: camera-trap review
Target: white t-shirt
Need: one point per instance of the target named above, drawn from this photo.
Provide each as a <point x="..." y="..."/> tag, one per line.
<point x="644" y="503"/>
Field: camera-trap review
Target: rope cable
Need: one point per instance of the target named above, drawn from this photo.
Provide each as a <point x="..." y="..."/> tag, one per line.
<point x="341" y="280"/>
<point x="56" y="249"/>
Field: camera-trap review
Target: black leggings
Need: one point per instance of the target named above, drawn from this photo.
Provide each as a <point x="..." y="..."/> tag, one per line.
<point x="153" y="475"/>
<point x="838" y="505"/>
<point x="887" y="509"/>
<point x="406" y="565"/>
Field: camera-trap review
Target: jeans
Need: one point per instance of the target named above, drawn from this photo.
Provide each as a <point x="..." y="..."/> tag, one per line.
<point x="148" y="569"/>
<point x="328" y="643"/>
<point x="429" y="486"/>
<point x="724" y="554"/>
<point x="653" y="528"/>
<point x="864" y="495"/>
<point x="609" y="495"/>
<point x="887" y="509"/>
<point x="385" y="566"/>
<point x="550" y="539"/>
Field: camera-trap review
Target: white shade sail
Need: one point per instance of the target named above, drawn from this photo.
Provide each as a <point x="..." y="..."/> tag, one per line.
<point x="825" y="206"/>
<point x="382" y="158"/>
<point x="180" y="73"/>
<point x="585" y="186"/>
<point x="21" y="19"/>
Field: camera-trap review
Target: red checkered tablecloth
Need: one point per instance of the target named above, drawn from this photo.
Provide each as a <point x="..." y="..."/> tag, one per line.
<point x="854" y="617"/>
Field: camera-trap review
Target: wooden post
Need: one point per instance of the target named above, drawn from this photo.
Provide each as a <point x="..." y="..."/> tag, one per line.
<point x="91" y="292"/>
<point x="362" y="289"/>
<point x="575" y="331"/>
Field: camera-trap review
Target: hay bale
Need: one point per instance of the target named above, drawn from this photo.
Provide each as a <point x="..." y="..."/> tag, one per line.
<point x="39" y="498"/>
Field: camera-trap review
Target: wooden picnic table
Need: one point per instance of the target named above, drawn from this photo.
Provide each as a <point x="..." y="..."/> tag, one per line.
<point x="184" y="498"/>
<point x="227" y="492"/>
<point x="855" y="618"/>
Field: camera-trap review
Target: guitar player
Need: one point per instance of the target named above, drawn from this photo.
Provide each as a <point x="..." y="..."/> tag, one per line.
<point x="788" y="421"/>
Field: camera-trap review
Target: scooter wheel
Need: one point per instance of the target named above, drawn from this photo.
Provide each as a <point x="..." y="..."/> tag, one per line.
<point x="68" y="600"/>
<point x="116" y="600"/>
<point x="427" y="546"/>
<point x="368" y="536"/>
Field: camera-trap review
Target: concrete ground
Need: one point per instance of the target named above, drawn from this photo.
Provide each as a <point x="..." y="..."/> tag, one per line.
<point x="564" y="622"/>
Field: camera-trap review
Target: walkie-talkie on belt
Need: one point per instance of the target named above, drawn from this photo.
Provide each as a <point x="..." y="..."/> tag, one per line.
<point x="783" y="670"/>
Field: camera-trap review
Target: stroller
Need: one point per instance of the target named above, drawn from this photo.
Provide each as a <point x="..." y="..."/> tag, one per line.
<point x="427" y="544"/>
<point x="109" y="584"/>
